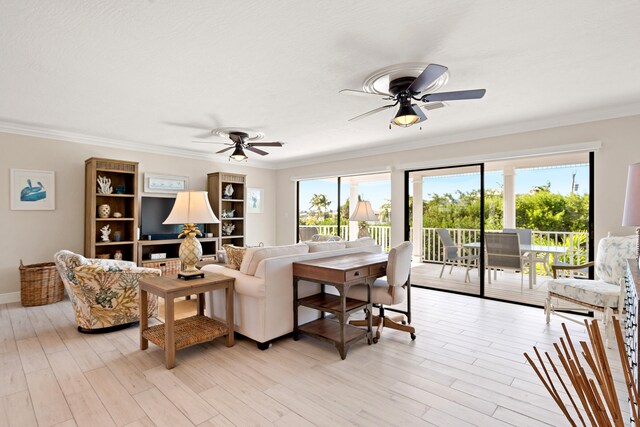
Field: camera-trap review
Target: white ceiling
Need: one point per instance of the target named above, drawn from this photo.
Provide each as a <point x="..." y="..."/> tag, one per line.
<point x="125" y="72"/>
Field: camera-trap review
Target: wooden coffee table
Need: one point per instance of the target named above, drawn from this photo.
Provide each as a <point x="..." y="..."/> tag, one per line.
<point x="176" y="334"/>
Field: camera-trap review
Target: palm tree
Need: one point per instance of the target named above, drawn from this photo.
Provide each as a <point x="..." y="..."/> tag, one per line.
<point x="321" y="203"/>
<point x="385" y="211"/>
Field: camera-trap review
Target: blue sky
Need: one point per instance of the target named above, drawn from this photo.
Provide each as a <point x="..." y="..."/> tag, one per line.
<point x="376" y="192"/>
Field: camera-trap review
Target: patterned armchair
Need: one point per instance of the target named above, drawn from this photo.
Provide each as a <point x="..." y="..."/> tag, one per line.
<point x="103" y="293"/>
<point x="605" y="294"/>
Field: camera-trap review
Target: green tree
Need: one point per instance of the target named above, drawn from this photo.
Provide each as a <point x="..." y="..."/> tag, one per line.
<point x="321" y="203"/>
<point x="385" y="212"/>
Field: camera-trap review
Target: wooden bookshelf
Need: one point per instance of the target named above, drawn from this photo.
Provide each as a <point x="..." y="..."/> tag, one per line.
<point x="124" y="177"/>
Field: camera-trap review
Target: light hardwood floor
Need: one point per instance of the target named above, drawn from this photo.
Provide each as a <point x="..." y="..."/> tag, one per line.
<point x="465" y="368"/>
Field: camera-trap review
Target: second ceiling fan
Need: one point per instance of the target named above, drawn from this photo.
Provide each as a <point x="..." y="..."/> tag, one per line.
<point x="240" y="143"/>
<point x="405" y="90"/>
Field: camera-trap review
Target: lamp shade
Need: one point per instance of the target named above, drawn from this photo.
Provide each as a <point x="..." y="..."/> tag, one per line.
<point x="363" y="212"/>
<point x="631" y="215"/>
<point x="191" y="207"/>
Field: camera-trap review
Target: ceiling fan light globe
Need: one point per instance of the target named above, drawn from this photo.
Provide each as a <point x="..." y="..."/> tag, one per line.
<point x="238" y="155"/>
<point x="405" y="116"/>
<point x="405" y="121"/>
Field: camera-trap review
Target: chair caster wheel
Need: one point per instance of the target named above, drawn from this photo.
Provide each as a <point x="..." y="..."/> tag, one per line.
<point x="375" y="340"/>
<point x="413" y="337"/>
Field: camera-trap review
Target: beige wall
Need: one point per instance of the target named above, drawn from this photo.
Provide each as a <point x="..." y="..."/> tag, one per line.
<point x="620" y="147"/>
<point x="34" y="236"/>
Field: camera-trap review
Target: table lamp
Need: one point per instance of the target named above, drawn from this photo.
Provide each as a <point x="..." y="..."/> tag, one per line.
<point x="191" y="208"/>
<point x="631" y="215"/>
<point x="362" y="213"/>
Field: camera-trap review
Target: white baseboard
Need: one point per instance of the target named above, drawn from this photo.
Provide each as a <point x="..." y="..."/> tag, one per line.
<point x="9" y="297"/>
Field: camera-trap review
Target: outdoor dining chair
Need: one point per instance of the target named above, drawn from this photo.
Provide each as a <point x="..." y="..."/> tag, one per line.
<point x="451" y="254"/>
<point x="502" y="252"/>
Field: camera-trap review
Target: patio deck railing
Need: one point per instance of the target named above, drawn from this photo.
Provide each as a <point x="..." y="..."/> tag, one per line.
<point x="576" y="242"/>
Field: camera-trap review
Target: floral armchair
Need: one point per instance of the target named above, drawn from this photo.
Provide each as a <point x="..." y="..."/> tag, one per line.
<point x="103" y="293"/>
<point x="605" y="294"/>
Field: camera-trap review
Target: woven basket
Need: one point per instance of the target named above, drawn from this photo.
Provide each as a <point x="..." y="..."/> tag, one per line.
<point x="40" y="284"/>
<point x="169" y="267"/>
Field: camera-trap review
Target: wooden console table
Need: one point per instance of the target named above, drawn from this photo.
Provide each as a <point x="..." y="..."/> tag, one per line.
<point x="340" y="272"/>
<point x="174" y="335"/>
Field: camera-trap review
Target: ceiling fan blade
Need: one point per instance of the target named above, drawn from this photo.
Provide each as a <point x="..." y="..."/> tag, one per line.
<point x="433" y="106"/>
<point x="361" y="93"/>
<point x="428" y="76"/>
<point x="265" y="144"/>
<point x="224" y="149"/>
<point x="369" y="113"/>
<point x="454" y="96"/>
<point x="418" y="110"/>
<point x="257" y="151"/>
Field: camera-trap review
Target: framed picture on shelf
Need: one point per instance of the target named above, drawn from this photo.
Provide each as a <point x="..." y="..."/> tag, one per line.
<point x="255" y="200"/>
<point x="32" y="190"/>
<point x="156" y="183"/>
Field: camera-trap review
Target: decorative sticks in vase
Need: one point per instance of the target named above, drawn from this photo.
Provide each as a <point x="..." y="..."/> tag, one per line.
<point x="595" y="392"/>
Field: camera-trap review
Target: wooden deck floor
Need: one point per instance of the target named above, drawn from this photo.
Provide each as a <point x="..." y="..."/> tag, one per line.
<point x="506" y="287"/>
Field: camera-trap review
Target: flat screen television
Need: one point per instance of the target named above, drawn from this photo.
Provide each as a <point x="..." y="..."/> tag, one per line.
<point x="153" y="212"/>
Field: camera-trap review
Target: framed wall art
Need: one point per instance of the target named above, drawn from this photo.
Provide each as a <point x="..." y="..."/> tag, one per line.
<point x="32" y="190"/>
<point x="255" y="200"/>
<point x="156" y="183"/>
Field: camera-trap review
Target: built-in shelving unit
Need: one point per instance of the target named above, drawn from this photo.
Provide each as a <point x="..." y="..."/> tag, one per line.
<point x="222" y="205"/>
<point x="122" y="200"/>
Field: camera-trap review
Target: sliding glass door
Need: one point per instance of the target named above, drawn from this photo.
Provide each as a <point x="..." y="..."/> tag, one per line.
<point x="545" y="200"/>
<point x="445" y="215"/>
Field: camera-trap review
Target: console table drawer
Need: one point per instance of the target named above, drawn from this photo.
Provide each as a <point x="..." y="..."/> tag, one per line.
<point x="356" y="274"/>
<point x="377" y="270"/>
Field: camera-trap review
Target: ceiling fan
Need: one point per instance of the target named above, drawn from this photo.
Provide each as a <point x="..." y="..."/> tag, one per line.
<point x="405" y="90"/>
<point x="240" y="143"/>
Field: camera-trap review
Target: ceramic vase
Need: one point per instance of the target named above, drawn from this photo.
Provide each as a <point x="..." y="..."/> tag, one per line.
<point x="104" y="211"/>
<point x="190" y="253"/>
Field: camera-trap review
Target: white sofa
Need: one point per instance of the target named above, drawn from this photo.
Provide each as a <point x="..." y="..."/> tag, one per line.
<point x="263" y="298"/>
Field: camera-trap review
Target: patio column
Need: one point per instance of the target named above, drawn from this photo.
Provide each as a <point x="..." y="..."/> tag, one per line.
<point x="397" y="207"/>
<point x="353" y="202"/>
<point x="417" y="219"/>
<point x="509" y="197"/>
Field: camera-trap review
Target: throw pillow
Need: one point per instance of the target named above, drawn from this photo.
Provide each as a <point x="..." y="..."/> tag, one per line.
<point x="234" y="256"/>
<point x="325" y="246"/>
<point x="325" y="238"/>
<point x="363" y="241"/>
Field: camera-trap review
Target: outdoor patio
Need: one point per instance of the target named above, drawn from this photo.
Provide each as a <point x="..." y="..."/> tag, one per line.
<point x="505" y="287"/>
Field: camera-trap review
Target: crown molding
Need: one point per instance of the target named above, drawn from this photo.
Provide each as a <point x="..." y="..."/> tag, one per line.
<point x="381" y="148"/>
<point x="79" y="138"/>
<point x="488" y="132"/>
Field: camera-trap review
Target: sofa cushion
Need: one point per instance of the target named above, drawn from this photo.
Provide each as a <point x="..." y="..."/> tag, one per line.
<point x="363" y="241"/>
<point x="253" y="256"/>
<point x="234" y="256"/>
<point x="594" y="292"/>
<point x="325" y="246"/>
<point x="325" y="238"/>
